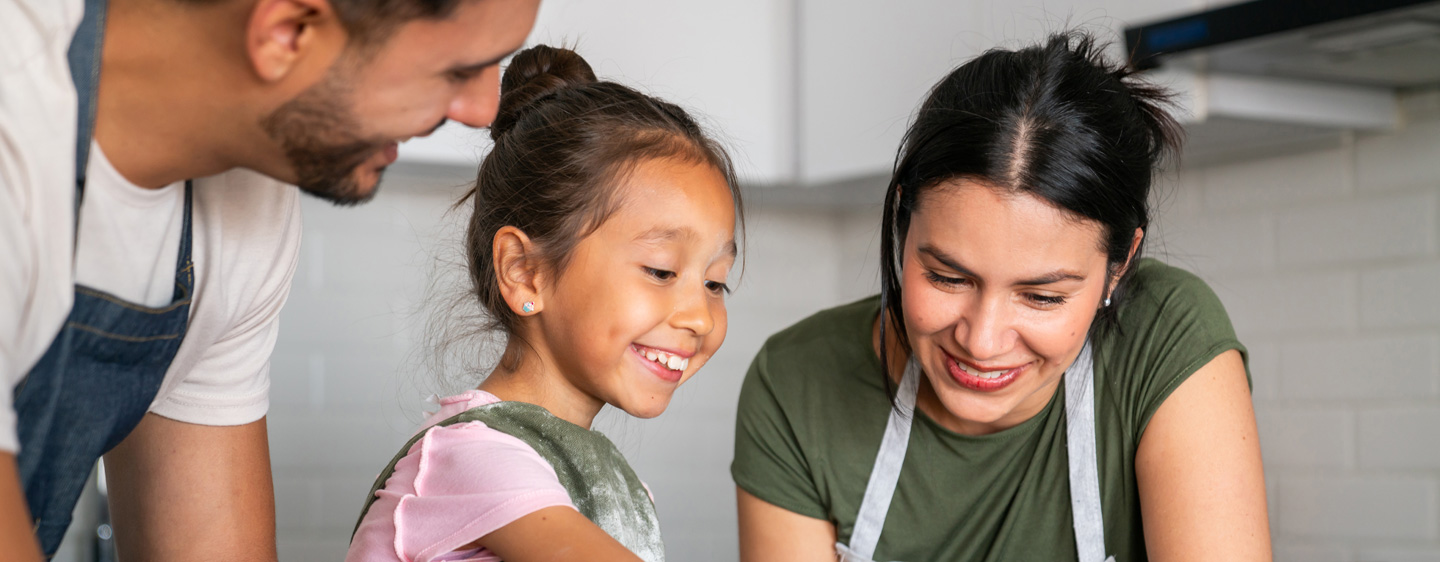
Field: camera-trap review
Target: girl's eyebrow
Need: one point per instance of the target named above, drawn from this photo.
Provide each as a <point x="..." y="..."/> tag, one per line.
<point x="662" y="234"/>
<point x="666" y="234"/>
<point x="1046" y="279"/>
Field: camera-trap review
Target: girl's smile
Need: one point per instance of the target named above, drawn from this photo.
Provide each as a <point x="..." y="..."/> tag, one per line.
<point x="668" y="365"/>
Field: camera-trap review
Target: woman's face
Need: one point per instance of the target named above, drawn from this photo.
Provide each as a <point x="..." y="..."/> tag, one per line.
<point x="999" y="290"/>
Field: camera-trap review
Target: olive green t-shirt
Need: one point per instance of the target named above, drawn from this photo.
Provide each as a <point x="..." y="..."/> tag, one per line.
<point x="814" y="406"/>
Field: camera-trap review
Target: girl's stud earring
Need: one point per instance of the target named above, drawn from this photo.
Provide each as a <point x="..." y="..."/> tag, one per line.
<point x="529" y="307"/>
<point x="1107" y="301"/>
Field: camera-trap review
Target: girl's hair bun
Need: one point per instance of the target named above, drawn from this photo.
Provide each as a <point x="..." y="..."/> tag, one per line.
<point x="535" y="74"/>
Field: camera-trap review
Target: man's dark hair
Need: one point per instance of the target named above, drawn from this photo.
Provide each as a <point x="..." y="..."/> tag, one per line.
<point x="372" y="21"/>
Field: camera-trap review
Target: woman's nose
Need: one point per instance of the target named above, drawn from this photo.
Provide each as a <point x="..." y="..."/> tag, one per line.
<point x="984" y="329"/>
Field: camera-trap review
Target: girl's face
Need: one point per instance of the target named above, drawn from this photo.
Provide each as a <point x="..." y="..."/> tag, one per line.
<point x="640" y="306"/>
<point x="999" y="290"/>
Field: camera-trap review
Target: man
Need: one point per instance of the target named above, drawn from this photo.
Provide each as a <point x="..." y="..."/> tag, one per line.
<point x="138" y="307"/>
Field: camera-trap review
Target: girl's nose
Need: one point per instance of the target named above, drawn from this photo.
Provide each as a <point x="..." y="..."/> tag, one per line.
<point x="693" y="313"/>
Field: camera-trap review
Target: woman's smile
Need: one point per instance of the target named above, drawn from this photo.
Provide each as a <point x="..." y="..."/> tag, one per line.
<point x="982" y="379"/>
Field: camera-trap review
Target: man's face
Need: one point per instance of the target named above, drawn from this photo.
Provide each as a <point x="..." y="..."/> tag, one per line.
<point x="341" y="133"/>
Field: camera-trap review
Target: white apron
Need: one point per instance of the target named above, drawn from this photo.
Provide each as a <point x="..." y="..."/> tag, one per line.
<point x="1080" y="447"/>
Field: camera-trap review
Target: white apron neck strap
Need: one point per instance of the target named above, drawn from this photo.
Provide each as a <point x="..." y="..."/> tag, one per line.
<point x="1080" y="447"/>
<point x="886" y="472"/>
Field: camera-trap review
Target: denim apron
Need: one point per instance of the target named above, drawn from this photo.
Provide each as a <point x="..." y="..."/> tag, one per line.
<point x="1079" y="446"/>
<point x="98" y="378"/>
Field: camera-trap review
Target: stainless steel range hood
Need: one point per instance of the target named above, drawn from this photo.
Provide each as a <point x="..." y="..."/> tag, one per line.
<point x="1277" y="72"/>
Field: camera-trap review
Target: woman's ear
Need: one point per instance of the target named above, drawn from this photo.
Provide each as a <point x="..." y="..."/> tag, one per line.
<point x="518" y="271"/>
<point x="1129" y="259"/>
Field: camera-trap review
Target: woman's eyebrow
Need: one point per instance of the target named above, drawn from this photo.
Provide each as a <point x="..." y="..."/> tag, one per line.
<point x="1046" y="279"/>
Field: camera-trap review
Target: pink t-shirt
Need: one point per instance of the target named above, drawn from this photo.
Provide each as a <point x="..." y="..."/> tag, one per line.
<point x="456" y="484"/>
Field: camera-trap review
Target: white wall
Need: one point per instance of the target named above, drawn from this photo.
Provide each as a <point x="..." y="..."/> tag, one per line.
<point x="1328" y="262"/>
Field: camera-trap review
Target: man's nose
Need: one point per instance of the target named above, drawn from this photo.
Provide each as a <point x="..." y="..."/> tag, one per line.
<point x="477" y="100"/>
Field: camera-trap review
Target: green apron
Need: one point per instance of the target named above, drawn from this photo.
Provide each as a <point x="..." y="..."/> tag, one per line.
<point x="601" y="484"/>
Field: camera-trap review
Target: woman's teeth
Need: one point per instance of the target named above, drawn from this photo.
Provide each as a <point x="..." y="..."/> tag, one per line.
<point x="980" y="374"/>
<point x="668" y="360"/>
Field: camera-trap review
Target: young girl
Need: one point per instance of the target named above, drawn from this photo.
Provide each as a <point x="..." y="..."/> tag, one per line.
<point x="602" y="236"/>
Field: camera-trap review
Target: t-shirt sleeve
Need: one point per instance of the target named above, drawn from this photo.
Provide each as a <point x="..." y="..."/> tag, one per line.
<point x="230" y="383"/>
<point x="457" y="484"/>
<point x="1174" y="325"/>
<point x="769" y="461"/>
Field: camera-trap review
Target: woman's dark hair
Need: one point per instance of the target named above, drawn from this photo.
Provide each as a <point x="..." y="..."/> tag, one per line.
<point x="563" y="142"/>
<point x="1055" y="121"/>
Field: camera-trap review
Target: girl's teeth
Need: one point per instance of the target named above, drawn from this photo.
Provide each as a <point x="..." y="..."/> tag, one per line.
<point x="672" y="362"/>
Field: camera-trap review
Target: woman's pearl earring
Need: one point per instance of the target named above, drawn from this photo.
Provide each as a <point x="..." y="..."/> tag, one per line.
<point x="1107" y="301"/>
<point x="529" y="306"/>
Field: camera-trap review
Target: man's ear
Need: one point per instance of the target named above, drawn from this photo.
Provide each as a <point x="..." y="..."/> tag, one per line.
<point x="283" y="33"/>
<point x="518" y="271"/>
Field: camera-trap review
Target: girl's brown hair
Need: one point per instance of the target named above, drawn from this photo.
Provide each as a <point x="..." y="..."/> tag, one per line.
<point x="563" y="142"/>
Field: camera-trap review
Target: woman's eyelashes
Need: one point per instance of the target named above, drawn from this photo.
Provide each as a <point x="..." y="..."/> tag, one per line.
<point x="947" y="282"/>
<point x="1045" y="301"/>
<point x="952" y="283"/>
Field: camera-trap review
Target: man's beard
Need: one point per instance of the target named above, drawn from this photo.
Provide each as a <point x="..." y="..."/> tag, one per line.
<point x="321" y="140"/>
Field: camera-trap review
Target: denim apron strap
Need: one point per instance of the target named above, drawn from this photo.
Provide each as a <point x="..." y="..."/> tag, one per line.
<point x="84" y="57"/>
<point x="1080" y="448"/>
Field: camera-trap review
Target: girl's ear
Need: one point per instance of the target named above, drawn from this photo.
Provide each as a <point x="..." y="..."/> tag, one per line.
<point x="517" y="269"/>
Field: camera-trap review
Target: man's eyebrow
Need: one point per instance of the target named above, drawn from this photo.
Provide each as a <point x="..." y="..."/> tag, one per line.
<point x="1046" y="279"/>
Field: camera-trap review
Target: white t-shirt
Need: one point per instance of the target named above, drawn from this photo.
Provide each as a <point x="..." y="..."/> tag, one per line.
<point x="245" y="239"/>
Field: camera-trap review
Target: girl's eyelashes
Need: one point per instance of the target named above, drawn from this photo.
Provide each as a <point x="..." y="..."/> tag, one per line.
<point x="659" y="274"/>
<point x="717" y="287"/>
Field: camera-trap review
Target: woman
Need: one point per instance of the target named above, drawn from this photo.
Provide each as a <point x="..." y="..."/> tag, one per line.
<point x="1041" y="393"/>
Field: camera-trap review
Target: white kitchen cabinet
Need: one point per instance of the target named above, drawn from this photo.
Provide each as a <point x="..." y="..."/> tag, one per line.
<point x="804" y="92"/>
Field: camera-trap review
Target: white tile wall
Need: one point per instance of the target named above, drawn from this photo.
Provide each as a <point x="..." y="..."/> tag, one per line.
<point x="1327" y="261"/>
<point x="1328" y="264"/>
